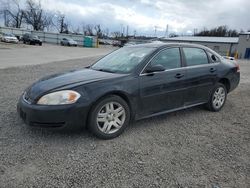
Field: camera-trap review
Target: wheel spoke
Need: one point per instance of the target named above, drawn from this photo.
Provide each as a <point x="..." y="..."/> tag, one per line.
<point x="119" y="111"/>
<point x="108" y="127"/>
<point x="111" y="105"/>
<point x="105" y="126"/>
<point x="117" y="122"/>
<point x="107" y="106"/>
<point x="101" y="117"/>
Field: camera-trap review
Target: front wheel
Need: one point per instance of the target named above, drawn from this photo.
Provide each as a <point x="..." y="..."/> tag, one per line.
<point x="109" y="117"/>
<point x="218" y="98"/>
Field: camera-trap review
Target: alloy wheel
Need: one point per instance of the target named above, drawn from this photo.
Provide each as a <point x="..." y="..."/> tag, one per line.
<point x="111" y="117"/>
<point x="219" y="97"/>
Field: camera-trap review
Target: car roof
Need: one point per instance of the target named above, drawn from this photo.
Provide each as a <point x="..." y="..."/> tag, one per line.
<point x="162" y="44"/>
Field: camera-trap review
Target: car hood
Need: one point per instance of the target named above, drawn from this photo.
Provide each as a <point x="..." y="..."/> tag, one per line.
<point x="64" y="80"/>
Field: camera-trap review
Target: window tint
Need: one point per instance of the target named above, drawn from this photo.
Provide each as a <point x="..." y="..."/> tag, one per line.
<point x="195" y="56"/>
<point x="169" y="58"/>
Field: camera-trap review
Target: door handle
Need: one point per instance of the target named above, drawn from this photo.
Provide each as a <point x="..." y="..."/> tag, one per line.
<point x="179" y="75"/>
<point x="212" y="69"/>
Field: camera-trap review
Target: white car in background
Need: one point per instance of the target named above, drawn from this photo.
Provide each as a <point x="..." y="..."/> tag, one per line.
<point x="68" y="42"/>
<point x="9" y="38"/>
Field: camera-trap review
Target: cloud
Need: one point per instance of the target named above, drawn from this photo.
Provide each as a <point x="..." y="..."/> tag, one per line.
<point x="145" y="15"/>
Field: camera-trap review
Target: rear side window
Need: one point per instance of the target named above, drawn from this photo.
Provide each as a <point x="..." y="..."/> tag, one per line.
<point x="169" y="58"/>
<point x="195" y="56"/>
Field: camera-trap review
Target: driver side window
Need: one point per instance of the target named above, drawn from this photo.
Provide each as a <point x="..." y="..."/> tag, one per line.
<point x="169" y="58"/>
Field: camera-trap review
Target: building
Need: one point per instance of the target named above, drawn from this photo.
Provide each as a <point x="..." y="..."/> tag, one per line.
<point x="223" y="45"/>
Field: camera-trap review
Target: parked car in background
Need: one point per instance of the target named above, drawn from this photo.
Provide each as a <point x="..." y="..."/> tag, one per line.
<point x="117" y="43"/>
<point x="9" y="38"/>
<point x="31" y="39"/>
<point x="130" y="44"/>
<point x="68" y="42"/>
<point x="1" y="35"/>
<point x="133" y="82"/>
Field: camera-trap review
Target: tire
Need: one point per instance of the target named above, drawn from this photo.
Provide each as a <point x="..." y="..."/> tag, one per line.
<point x="218" y="98"/>
<point x="109" y="125"/>
<point x="40" y="44"/>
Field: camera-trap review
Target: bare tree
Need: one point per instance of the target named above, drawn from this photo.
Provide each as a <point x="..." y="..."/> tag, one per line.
<point x="62" y="24"/>
<point x="116" y="34"/>
<point x="98" y="31"/>
<point x="12" y="12"/>
<point x="36" y="16"/>
<point x="89" y="30"/>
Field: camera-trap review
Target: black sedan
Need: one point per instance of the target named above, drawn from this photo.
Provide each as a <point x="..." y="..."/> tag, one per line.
<point x="130" y="83"/>
<point x="31" y="39"/>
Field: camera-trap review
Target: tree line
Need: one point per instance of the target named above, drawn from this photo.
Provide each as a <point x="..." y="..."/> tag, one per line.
<point x="31" y="13"/>
<point x="220" y="31"/>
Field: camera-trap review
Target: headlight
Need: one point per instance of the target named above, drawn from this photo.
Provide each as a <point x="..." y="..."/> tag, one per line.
<point x="59" y="98"/>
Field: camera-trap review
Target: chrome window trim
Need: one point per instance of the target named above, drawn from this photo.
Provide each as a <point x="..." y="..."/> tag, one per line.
<point x="184" y="67"/>
<point x="201" y="65"/>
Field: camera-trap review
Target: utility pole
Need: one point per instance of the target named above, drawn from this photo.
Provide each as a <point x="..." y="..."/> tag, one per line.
<point x="166" y="33"/>
<point x="155" y="30"/>
<point x="127" y="30"/>
<point x="134" y="33"/>
<point x="195" y="31"/>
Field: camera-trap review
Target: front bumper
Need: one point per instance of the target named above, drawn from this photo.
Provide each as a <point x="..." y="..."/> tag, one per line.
<point x="60" y="116"/>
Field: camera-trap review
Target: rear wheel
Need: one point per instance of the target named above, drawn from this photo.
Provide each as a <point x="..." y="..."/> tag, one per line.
<point x="218" y="98"/>
<point x="109" y="117"/>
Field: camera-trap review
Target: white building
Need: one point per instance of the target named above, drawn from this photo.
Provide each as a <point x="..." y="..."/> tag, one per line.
<point x="223" y="45"/>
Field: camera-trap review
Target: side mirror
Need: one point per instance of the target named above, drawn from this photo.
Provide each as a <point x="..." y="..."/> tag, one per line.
<point x="155" y="68"/>
<point x="213" y="57"/>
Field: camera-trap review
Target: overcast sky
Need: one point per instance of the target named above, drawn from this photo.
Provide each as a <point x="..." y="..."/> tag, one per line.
<point x="182" y="16"/>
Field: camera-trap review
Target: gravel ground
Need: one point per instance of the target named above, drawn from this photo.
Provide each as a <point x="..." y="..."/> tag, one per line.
<point x="189" y="148"/>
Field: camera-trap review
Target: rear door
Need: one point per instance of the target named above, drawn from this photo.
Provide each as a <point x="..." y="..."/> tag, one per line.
<point x="163" y="91"/>
<point x="201" y="75"/>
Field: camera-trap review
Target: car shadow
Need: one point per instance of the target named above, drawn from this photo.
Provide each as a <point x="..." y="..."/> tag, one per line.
<point x="83" y="133"/>
<point x="161" y="119"/>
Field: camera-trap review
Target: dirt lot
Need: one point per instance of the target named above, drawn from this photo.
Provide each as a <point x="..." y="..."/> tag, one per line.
<point x="189" y="148"/>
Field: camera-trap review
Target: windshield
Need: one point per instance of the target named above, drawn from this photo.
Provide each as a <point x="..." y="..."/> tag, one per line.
<point x="123" y="60"/>
<point x="9" y="35"/>
<point x="34" y="37"/>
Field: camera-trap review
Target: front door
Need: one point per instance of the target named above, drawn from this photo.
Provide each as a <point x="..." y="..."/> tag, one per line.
<point x="163" y="91"/>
